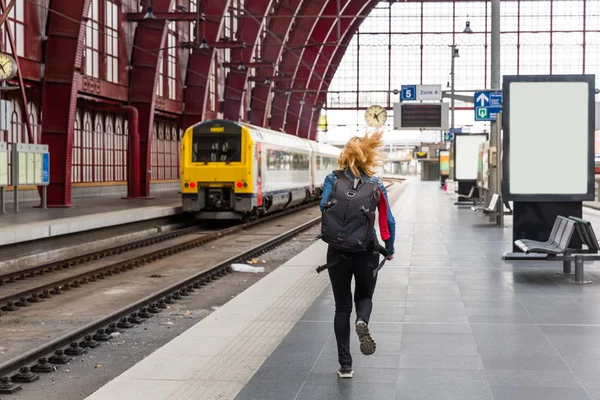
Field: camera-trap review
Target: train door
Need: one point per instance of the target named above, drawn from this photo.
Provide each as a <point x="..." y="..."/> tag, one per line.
<point x="258" y="177"/>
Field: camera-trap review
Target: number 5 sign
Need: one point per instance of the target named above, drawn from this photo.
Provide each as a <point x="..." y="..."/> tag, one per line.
<point x="408" y="92"/>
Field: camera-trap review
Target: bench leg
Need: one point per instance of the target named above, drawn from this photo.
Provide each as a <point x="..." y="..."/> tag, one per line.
<point x="566" y="266"/>
<point x="579" y="272"/>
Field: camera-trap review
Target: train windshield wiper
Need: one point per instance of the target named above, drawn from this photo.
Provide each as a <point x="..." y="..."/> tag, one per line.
<point x="230" y="159"/>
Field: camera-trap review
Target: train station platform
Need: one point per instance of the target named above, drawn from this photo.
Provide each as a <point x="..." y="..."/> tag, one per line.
<point x="451" y="321"/>
<point x="87" y="214"/>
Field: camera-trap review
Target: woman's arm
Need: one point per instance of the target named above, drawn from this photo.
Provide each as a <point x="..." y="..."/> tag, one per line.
<point x="327" y="186"/>
<point x="387" y="223"/>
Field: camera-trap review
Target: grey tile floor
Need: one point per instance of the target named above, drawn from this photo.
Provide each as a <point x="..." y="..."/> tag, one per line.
<point x="451" y="321"/>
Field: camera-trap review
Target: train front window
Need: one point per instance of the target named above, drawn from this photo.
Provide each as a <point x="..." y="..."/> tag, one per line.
<point x="216" y="148"/>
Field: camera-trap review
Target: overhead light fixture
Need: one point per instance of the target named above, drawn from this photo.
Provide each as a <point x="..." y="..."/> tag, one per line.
<point x="204" y="44"/>
<point x="314" y="109"/>
<point x="241" y="67"/>
<point x="302" y="101"/>
<point x="288" y="92"/>
<point x="268" y="81"/>
<point x="181" y="8"/>
<point x="149" y="13"/>
<point x="468" y="28"/>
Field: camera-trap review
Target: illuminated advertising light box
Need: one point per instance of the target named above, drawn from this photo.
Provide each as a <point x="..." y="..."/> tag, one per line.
<point x="444" y="162"/>
<point x="466" y="155"/>
<point x="548" y="147"/>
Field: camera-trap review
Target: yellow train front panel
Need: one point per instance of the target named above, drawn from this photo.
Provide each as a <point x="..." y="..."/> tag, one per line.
<point x="216" y="170"/>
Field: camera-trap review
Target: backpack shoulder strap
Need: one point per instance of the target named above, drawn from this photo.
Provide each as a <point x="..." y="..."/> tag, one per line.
<point x="340" y="174"/>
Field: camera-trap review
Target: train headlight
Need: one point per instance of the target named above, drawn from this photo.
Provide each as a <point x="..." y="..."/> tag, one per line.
<point x="192" y="185"/>
<point x="239" y="185"/>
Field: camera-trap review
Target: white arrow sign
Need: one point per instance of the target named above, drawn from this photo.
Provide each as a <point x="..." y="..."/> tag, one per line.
<point x="482" y="98"/>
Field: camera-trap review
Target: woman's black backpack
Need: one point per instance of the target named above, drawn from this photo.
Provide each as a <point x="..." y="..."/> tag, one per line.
<point x="348" y="216"/>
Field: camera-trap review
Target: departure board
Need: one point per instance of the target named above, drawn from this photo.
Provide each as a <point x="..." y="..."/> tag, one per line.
<point x="421" y="116"/>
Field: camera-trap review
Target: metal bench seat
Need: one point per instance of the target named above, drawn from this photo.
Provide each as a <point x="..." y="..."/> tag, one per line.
<point x="586" y="234"/>
<point x="557" y="243"/>
<point x="490" y="208"/>
<point x="467" y="200"/>
<point x="556" y="248"/>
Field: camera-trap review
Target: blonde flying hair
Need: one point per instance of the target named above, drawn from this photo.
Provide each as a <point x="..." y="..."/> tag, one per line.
<point x="362" y="154"/>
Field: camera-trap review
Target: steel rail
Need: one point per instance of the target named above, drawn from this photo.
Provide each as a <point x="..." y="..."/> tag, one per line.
<point x="23" y="274"/>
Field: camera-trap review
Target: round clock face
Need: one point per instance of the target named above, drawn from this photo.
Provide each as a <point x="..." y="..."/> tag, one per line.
<point x="8" y="67"/>
<point x="375" y="116"/>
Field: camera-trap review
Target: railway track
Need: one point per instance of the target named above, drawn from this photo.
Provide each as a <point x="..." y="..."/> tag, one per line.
<point x="13" y="301"/>
<point x="97" y="330"/>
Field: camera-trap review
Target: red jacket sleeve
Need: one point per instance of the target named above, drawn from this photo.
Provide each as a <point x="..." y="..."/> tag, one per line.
<point x="384" y="228"/>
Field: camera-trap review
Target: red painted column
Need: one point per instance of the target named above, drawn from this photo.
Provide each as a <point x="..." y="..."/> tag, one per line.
<point x="59" y="100"/>
<point x="198" y="74"/>
<point x="149" y="36"/>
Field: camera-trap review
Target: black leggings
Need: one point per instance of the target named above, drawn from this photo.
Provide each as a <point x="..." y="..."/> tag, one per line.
<point x="361" y="265"/>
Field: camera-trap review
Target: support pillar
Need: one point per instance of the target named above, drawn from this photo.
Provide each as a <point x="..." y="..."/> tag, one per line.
<point x="495" y="184"/>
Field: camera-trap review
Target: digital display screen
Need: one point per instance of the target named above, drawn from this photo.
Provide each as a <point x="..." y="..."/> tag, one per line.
<point x="421" y="115"/>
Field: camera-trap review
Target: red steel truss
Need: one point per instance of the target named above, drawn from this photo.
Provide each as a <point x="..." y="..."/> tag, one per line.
<point x="292" y="48"/>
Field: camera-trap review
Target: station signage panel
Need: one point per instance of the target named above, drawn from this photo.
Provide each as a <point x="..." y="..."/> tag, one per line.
<point x="488" y="105"/>
<point x="421" y="92"/>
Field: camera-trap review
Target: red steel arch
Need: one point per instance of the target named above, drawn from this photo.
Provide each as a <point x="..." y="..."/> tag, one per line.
<point x="280" y="28"/>
<point x="318" y="34"/>
<point x="293" y="45"/>
<point x="64" y="49"/>
<point x="318" y="65"/>
<point x="248" y="32"/>
<point x="297" y="38"/>
<point x="197" y="78"/>
<point x="327" y="70"/>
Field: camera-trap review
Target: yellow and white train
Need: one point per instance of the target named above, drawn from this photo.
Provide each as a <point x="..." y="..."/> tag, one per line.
<point x="233" y="170"/>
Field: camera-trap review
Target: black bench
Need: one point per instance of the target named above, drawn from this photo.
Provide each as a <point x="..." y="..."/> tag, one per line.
<point x="556" y="248"/>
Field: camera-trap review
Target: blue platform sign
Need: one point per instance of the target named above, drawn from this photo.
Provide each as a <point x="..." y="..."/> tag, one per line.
<point x="487" y="105"/>
<point x="408" y="92"/>
<point x="46" y="168"/>
<point x="448" y="136"/>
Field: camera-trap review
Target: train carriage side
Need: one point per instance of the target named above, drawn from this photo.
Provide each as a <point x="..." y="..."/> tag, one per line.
<point x="284" y="168"/>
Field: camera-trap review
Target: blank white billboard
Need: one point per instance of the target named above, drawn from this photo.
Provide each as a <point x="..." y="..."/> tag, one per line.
<point x="549" y="138"/>
<point x="466" y="156"/>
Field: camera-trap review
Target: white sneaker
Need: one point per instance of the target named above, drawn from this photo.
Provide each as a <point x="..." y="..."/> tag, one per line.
<point x="345" y="373"/>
